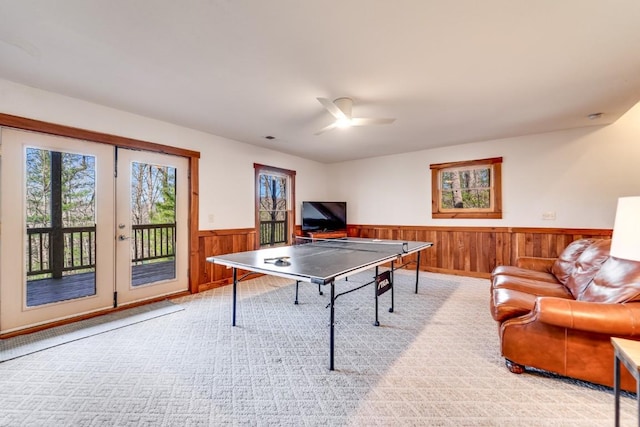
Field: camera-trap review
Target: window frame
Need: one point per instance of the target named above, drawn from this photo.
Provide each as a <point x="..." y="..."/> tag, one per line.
<point x="291" y="200"/>
<point x="495" y="190"/>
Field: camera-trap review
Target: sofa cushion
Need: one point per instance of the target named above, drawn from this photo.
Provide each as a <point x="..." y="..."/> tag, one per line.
<point x="587" y="266"/>
<point x="618" y="281"/>
<point x="531" y="286"/>
<point x="535" y="263"/>
<point x="510" y="270"/>
<point x="566" y="262"/>
<point x="507" y="304"/>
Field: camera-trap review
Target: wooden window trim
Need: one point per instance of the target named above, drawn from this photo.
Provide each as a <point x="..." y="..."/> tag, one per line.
<point x="88" y="135"/>
<point x="496" y="190"/>
<point x="291" y="212"/>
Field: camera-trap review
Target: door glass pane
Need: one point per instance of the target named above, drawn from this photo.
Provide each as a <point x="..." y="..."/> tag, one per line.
<point x="273" y="209"/>
<point x="60" y="223"/>
<point x="153" y="223"/>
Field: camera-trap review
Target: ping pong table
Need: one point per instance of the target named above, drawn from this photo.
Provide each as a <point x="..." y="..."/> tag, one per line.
<point x="323" y="262"/>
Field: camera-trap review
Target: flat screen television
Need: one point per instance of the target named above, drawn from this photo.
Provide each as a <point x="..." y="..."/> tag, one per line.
<point x="324" y="216"/>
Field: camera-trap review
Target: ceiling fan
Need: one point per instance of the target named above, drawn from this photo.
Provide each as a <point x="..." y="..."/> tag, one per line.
<point x="341" y="110"/>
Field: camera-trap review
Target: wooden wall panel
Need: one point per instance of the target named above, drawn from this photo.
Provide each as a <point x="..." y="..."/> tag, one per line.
<point x="219" y="242"/>
<point x="467" y="251"/>
<point x="476" y="251"/>
<point x="549" y="242"/>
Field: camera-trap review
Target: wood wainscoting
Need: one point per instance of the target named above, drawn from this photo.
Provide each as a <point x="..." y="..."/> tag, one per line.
<point x="219" y="242"/>
<point x="465" y="251"/>
<point x="476" y="251"/>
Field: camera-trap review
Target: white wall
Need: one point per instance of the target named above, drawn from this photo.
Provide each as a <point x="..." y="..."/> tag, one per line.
<point x="578" y="174"/>
<point x="226" y="166"/>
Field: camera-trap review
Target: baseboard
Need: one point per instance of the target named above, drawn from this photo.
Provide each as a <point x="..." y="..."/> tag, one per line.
<point x="478" y="275"/>
<point x="213" y="285"/>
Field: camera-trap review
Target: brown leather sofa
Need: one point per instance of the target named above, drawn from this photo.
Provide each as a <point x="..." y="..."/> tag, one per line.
<point x="559" y="315"/>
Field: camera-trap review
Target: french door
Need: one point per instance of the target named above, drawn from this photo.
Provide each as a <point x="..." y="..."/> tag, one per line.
<point x="81" y="232"/>
<point x="151" y="225"/>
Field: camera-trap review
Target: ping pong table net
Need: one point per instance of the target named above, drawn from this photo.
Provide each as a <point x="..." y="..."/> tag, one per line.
<point x="368" y="245"/>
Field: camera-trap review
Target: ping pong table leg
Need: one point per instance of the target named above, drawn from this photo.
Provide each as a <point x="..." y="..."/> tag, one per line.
<point x="392" y="270"/>
<point x="375" y="290"/>
<point x="331" y="326"/>
<point x="235" y="291"/>
<point x="297" y="283"/>
<point x="319" y="290"/>
<point x="418" y="271"/>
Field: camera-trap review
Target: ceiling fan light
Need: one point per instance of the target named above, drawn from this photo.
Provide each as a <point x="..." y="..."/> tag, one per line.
<point x="340" y="109"/>
<point x="343" y="122"/>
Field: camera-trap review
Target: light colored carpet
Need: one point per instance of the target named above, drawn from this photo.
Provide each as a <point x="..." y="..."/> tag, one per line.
<point x="22" y="345"/>
<point x="433" y="362"/>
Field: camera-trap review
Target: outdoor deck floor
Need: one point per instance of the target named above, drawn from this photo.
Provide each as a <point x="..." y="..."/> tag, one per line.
<point x="45" y="291"/>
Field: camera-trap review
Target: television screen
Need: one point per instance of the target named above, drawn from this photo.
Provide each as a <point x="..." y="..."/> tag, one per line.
<point x="324" y="216"/>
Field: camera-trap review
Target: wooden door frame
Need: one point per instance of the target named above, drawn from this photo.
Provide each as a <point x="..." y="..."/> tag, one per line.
<point x="136" y="144"/>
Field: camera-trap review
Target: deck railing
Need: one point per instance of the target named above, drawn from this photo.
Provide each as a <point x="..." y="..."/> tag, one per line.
<point x="273" y="232"/>
<point x="153" y="241"/>
<point x="150" y="242"/>
<point x="78" y="254"/>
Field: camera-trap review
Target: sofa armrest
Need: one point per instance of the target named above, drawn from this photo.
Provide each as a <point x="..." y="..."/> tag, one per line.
<point x="535" y="263"/>
<point x="601" y="318"/>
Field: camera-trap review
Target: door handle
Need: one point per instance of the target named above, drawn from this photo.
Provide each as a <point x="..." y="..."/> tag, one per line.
<point x="123" y="237"/>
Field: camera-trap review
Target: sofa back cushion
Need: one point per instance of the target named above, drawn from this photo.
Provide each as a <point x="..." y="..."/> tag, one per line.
<point x="587" y="266"/>
<point x="617" y="281"/>
<point x="566" y="262"/>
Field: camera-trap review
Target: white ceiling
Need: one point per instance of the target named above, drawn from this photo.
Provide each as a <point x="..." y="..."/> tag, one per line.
<point x="449" y="71"/>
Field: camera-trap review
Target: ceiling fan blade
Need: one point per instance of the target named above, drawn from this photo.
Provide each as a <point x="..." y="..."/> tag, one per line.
<point x="370" y="121"/>
<point x="332" y="108"/>
<point x="324" y="129"/>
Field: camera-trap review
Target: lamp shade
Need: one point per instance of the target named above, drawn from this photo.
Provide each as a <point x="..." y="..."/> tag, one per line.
<point x="625" y="242"/>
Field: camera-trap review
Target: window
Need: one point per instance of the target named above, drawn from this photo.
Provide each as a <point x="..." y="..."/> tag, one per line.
<point x="469" y="189"/>
<point x="275" y="218"/>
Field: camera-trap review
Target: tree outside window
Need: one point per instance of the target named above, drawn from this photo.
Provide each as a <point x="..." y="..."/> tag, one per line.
<point x="274" y="205"/>
<point x="60" y="213"/>
<point x="468" y="189"/>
